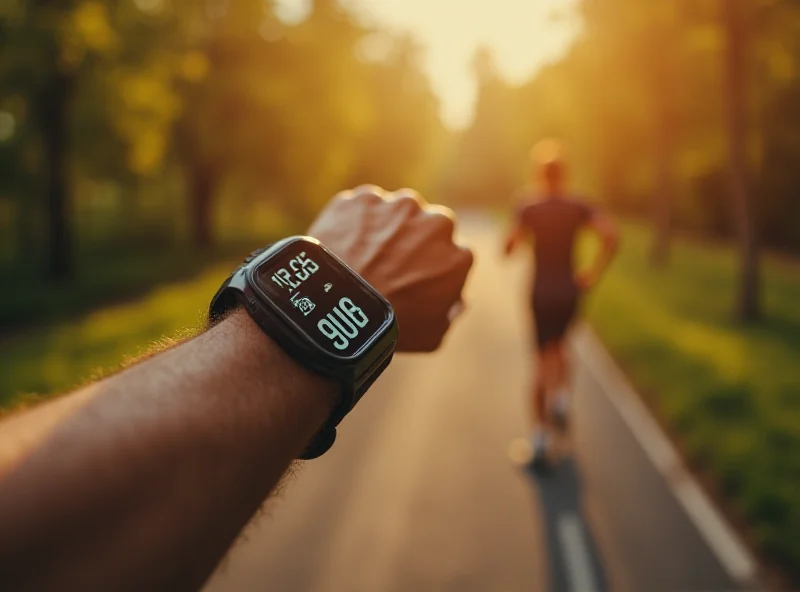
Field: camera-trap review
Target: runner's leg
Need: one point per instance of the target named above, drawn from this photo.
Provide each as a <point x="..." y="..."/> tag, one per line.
<point x="560" y="401"/>
<point x="560" y="392"/>
<point x="546" y="378"/>
<point x="539" y="393"/>
<point x="540" y="433"/>
<point x="551" y="375"/>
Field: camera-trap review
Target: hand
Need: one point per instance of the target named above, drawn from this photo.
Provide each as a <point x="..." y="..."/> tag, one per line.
<point x="404" y="248"/>
<point x="586" y="280"/>
<point x="508" y="247"/>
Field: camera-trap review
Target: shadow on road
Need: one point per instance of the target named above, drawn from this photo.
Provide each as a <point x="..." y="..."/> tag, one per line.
<point x="574" y="560"/>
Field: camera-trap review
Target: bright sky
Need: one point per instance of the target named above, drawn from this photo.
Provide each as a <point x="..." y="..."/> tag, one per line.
<point x="523" y="34"/>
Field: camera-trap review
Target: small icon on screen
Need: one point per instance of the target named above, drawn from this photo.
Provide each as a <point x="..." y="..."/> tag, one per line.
<point x="328" y="287"/>
<point x="304" y="304"/>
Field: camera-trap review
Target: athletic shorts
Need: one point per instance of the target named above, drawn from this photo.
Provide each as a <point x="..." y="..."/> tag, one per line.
<point x="553" y="312"/>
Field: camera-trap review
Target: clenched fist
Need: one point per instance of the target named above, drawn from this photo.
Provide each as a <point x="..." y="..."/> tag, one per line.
<point x="404" y="248"/>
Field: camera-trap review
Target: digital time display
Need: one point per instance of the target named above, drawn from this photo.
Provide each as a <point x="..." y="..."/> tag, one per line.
<point x="322" y="297"/>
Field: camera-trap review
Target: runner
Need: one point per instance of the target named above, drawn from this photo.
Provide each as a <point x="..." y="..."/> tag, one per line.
<point x="552" y="218"/>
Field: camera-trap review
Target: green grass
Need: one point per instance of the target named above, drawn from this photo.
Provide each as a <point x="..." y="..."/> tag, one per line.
<point x="731" y="393"/>
<point x="122" y="254"/>
<point x="100" y="278"/>
<point x="52" y="359"/>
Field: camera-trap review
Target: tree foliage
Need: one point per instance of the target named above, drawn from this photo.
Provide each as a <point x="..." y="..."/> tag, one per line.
<point x="240" y="106"/>
<point x="640" y="71"/>
<point x="668" y="111"/>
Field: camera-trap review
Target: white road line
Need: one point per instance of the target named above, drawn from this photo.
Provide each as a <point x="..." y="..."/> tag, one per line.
<point x="721" y="538"/>
<point x="578" y="568"/>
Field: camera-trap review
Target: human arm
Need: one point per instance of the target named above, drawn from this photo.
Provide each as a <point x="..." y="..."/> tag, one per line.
<point x="514" y="236"/>
<point x="144" y="479"/>
<point x="519" y="227"/>
<point x="606" y="229"/>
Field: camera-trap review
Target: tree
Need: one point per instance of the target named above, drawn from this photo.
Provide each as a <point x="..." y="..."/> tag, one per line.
<point x="50" y="97"/>
<point x="56" y="45"/>
<point x="66" y="35"/>
<point x="662" y="81"/>
<point x="399" y="147"/>
<point x="280" y="115"/>
<point x="748" y="305"/>
<point x="483" y="168"/>
<point x="217" y="105"/>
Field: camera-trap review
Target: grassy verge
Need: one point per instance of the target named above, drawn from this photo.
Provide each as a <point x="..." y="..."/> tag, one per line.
<point x="731" y="393"/>
<point x="52" y="359"/>
<point x="100" y="279"/>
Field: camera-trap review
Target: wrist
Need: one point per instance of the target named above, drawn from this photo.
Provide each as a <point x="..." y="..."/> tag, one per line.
<point x="263" y="362"/>
<point x="319" y="313"/>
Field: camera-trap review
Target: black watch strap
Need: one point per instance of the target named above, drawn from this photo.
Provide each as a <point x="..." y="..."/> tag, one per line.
<point x="320" y="443"/>
<point x="335" y="354"/>
<point x="326" y="436"/>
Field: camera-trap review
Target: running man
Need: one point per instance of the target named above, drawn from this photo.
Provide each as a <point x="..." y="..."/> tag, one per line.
<point x="552" y="218"/>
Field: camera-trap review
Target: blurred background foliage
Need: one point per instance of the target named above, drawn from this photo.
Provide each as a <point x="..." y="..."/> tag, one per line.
<point x="135" y="126"/>
<point x="681" y="112"/>
<point x="148" y="141"/>
<point x="147" y="128"/>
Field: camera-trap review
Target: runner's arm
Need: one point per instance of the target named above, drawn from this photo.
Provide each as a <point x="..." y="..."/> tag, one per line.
<point x="143" y="480"/>
<point x="606" y="229"/>
<point x="514" y="237"/>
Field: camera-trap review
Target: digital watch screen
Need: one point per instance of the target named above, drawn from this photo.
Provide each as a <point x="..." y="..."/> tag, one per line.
<point x="320" y="312"/>
<point x="322" y="297"/>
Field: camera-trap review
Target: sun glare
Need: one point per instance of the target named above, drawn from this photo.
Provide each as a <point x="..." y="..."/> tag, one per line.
<point x="292" y="11"/>
<point x="523" y="35"/>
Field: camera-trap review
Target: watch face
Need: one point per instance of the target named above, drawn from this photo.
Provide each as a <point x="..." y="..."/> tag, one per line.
<point x="322" y="297"/>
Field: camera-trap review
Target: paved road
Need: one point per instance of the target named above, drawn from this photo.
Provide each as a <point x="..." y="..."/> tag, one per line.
<point x="419" y="493"/>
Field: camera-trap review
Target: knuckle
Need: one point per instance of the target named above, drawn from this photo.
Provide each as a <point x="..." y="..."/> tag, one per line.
<point x="342" y="196"/>
<point x="407" y="203"/>
<point x="441" y="211"/>
<point x="369" y="191"/>
<point x="444" y="218"/>
<point x="406" y="193"/>
<point x="465" y="258"/>
<point x="456" y="310"/>
<point x="433" y="343"/>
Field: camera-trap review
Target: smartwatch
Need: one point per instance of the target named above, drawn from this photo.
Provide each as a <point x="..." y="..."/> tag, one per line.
<point x="321" y="313"/>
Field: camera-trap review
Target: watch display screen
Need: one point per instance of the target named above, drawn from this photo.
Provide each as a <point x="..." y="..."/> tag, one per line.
<point x="322" y="297"/>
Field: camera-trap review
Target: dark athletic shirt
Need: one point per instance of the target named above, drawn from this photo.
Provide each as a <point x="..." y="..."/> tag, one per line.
<point x="554" y="224"/>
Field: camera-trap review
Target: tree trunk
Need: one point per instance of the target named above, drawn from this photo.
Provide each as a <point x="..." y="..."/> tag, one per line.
<point x="663" y="194"/>
<point x="54" y="105"/>
<point x="26" y="224"/>
<point x="662" y="72"/>
<point x="748" y="305"/>
<point x="201" y="181"/>
<point x="203" y="185"/>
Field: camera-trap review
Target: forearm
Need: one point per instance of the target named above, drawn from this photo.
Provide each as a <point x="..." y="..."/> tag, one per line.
<point x="608" y="250"/>
<point x="144" y="479"/>
<point x="509" y="245"/>
<point x="513" y="238"/>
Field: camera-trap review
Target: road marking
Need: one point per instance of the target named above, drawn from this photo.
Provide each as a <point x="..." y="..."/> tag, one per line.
<point x="575" y="551"/>
<point x="718" y="534"/>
